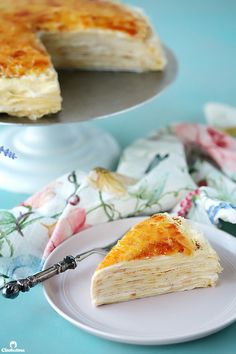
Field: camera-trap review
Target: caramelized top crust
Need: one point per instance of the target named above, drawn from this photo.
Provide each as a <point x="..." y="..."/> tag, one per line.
<point x="54" y="16"/>
<point x="20" y="51"/>
<point x="156" y="236"/>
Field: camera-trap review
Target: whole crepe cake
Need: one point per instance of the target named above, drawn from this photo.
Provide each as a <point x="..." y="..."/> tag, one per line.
<point x="159" y="255"/>
<point x="37" y="36"/>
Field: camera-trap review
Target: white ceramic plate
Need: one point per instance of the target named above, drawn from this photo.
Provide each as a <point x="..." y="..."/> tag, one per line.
<point x="165" y="319"/>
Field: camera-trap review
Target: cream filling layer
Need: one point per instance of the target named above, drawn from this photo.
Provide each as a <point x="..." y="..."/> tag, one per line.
<point x="104" y="50"/>
<point x="154" y="276"/>
<point x="30" y="95"/>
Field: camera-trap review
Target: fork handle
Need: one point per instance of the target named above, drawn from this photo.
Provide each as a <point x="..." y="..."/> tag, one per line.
<point x="12" y="289"/>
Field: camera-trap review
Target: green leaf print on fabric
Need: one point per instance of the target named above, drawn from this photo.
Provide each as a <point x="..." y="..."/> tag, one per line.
<point x="146" y="195"/>
<point x="7" y="223"/>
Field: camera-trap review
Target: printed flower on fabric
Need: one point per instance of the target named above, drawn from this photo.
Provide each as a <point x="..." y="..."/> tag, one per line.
<point x="109" y="182"/>
<point x="218" y="138"/>
<point x="186" y="204"/>
<point x="50" y="228"/>
<point x="203" y="136"/>
<point x="221" y="210"/>
<point x="42" y="197"/>
<point x="71" y="222"/>
<point x="221" y="116"/>
<point x="219" y="146"/>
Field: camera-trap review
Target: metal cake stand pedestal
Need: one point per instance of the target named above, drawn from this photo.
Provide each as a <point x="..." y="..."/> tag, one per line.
<point x="54" y="145"/>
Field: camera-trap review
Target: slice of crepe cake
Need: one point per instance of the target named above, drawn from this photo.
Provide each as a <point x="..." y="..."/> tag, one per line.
<point x="159" y="255"/>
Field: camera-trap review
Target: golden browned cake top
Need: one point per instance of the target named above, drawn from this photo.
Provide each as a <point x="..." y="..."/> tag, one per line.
<point x="56" y="15"/>
<point x="155" y="236"/>
<point x="20" y="51"/>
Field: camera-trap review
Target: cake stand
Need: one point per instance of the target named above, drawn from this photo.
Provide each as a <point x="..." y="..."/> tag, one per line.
<point x="54" y="145"/>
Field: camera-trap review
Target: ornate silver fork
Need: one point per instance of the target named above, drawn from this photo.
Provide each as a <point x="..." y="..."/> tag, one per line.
<point x="12" y="289"/>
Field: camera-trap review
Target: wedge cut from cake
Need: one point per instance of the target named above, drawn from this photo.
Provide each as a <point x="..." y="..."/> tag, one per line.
<point x="159" y="255"/>
<point x="38" y="35"/>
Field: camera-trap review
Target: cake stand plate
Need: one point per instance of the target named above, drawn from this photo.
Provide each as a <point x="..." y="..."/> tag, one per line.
<point x="44" y="153"/>
<point x="95" y="94"/>
<point x="56" y="144"/>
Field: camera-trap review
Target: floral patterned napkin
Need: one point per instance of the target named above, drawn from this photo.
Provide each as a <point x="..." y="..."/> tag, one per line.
<point x="221" y="116"/>
<point x="186" y="168"/>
